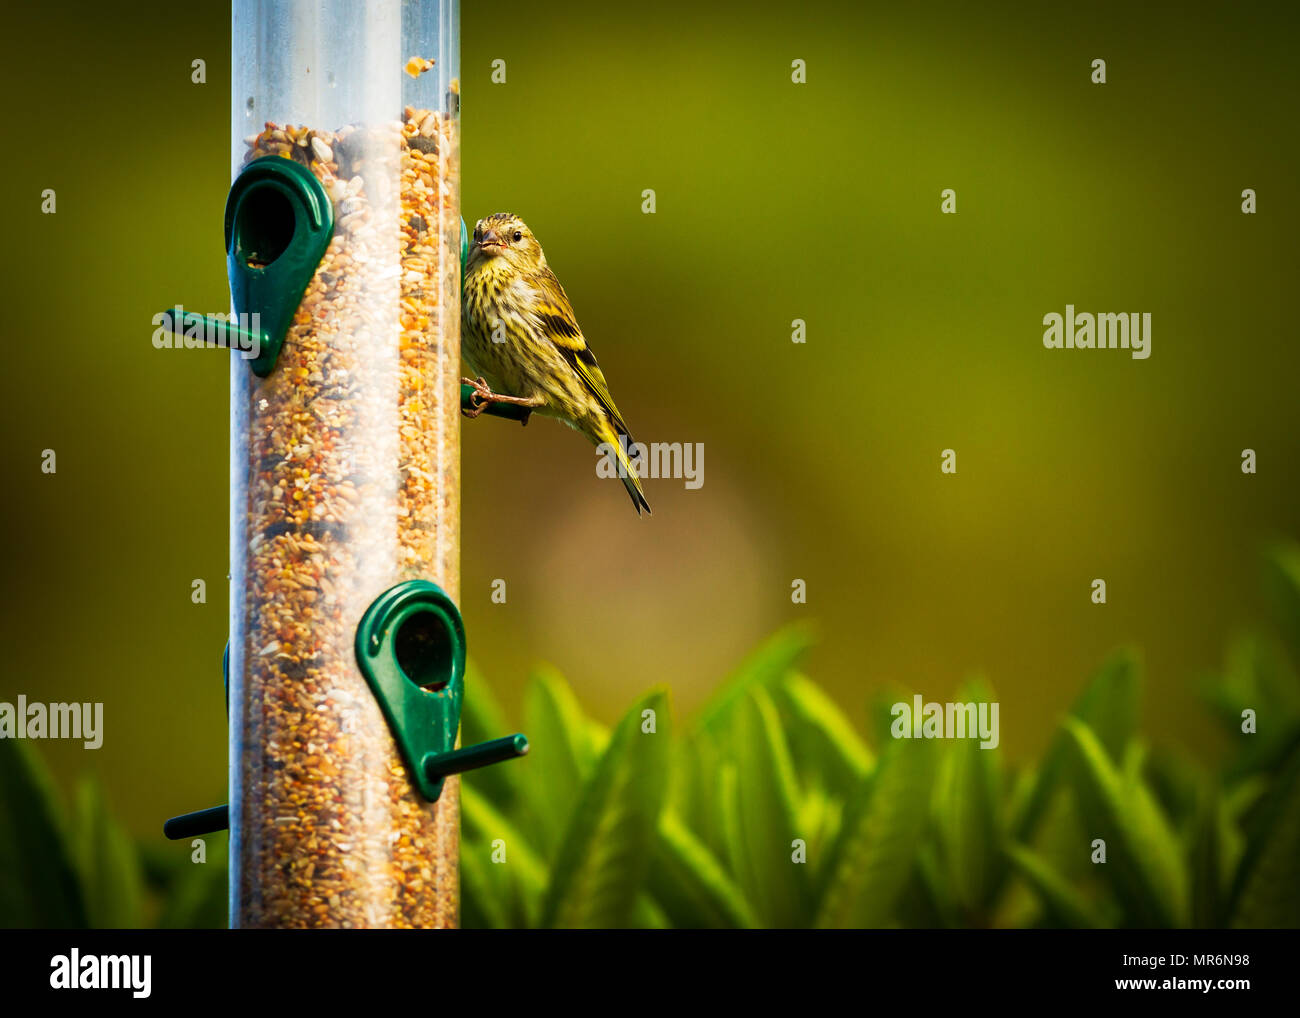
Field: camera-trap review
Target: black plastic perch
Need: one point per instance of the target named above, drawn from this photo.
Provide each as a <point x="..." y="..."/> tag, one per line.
<point x="458" y="761"/>
<point x="436" y="767"/>
<point x="196" y="825"/>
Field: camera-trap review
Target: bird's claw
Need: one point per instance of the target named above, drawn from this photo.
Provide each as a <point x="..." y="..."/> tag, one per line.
<point x="481" y="398"/>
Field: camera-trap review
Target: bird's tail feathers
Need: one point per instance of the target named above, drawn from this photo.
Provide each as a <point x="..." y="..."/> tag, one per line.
<point x="623" y="451"/>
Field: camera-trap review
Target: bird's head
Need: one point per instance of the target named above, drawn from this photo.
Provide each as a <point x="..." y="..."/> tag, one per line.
<point x="506" y="236"/>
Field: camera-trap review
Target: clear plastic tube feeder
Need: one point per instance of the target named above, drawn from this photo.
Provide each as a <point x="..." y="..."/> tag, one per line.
<point x="345" y="461"/>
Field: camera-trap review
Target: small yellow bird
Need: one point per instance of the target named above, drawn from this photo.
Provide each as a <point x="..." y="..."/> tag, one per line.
<point x="521" y="338"/>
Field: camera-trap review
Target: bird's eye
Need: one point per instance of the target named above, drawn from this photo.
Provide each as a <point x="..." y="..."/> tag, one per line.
<point x="518" y="236"/>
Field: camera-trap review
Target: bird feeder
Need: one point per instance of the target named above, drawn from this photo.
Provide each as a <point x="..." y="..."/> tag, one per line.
<point x="347" y="650"/>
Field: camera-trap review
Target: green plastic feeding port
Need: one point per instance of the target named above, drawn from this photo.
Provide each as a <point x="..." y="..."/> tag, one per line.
<point x="279" y="222"/>
<point x="411" y="648"/>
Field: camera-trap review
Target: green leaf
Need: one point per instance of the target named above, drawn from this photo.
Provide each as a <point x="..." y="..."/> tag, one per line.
<point x="766" y="806"/>
<point x="879" y="838"/>
<point x="1178" y="782"/>
<point x="197" y="898"/>
<point x="969" y="826"/>
<point x="1065" y="906"/>
<point x="605" y="852"/>
<point x="818" y="821"/>
<point x="821" y="736"/>
<point x="1256" y="676"/>
<point x="1282" y="582"/>
<point x="928" y="902"/>
<point x="1266" y="894"/>
<point x="38" y="884"/>
<point x="1241" y="799"/>
<point x="1059" y="836"/>
<point x="880" y="711"/>
<point x="1143" y="857"/>
<point x="697" y="893"/>
<point x="1109" y="707"/>
<point x="772" y="661"/>
<point x="482" y="904"/>
<point x="647" y="915"/>
<point x="513" y="887"/>
<point x="107" y="861"/>
<point x="728" y="807"/>
<point x="561" y="757"/>
<point x="1208" y="868"/>
<point x="693" y="789"/>
<point x="698" y="792"/>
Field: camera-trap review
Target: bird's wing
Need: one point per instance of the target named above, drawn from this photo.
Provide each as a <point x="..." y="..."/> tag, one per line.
<point x="555" y="317"/>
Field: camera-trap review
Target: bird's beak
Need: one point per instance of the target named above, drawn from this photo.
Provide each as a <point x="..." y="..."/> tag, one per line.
<point x="490" y="240"/>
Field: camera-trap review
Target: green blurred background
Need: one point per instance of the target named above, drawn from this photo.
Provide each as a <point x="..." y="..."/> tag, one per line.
<point x="775" y="201"/>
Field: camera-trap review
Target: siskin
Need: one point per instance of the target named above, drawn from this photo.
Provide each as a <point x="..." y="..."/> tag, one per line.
<point x="521" y="338"/>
